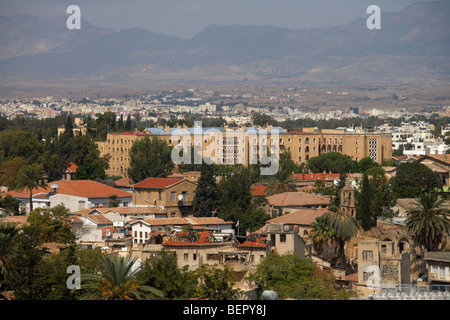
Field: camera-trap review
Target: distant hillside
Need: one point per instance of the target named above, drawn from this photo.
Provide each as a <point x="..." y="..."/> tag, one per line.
<point x="412" y="46"/>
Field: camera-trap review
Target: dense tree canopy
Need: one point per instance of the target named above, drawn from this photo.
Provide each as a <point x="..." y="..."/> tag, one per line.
<point x="413" y="178"/>
<point x="332" y="162"/>
<point x="293" y="277"/>
<point x="150" y="158"/>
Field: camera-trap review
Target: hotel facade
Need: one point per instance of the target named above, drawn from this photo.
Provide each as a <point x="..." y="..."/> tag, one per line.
<point x="248" y="145"/>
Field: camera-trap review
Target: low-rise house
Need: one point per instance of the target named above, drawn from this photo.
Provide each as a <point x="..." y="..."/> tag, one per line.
<point x="438" y="267"/>
<point x="380" y="264"/>
<point x="70" y="171"/>
<point x="291" y="201"/>
<point x="301" y="219"/>
<point x="439" y="163"/>
<point x="175" y="195"/>
<point x="135" y="213"/>
<point x="142" y="229"/>
<point x="73" y="194"/>
<point x="309" y="179"/>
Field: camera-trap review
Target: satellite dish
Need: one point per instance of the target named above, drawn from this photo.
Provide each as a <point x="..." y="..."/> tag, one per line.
<point x="180" y="197"/>
<point x="269" y="295"/>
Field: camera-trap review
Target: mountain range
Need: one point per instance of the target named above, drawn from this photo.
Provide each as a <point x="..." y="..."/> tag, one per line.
<point x="412" y="46"/>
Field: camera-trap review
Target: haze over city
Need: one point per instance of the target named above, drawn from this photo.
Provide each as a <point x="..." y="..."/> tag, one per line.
<point x="234" y="150"/>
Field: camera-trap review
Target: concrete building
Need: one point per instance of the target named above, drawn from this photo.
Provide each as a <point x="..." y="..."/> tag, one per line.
<point x="379" y="263"/>
<point x="175" y="196"/>
<point x="292" y="201"/>
<point x="73" y="194"/>
<point x="438" y="267"/>
<point x="246" y="145"/>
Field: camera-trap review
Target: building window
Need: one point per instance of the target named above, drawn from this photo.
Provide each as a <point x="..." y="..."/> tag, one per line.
<point x="172" y="196"/>
<point x="282" y="238"/>
<point x="159" y="195"/>
<point x="186" y="256"/>
<point x="81" y="205"/>
<point x="367" y="255"/>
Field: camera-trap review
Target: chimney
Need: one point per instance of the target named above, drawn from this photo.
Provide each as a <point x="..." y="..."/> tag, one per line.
<point x="54" y="187"/>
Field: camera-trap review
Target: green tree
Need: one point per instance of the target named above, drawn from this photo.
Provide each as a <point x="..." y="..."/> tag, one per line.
<point x="149" y="158"/>
<point x="215" y="283"/>
<point x="8" y="233"/>
<point x="344" y="227"/>
<point x="236" y="201"/>
<point x="116" y="280"/>
<point x="10" y="205"/>
<point x="428" y="220"/>
<point x="206" y="195"/>
<point x="413" y="178"/>
<point x="321" y="233"/>
<point x="163" y="273"/>
<point x="333" y="162"/>
<point x="9" y="170"/>
<point x="113" y="201"/>
<point x="18" y="142"/>
<point x="55" y="265"/>
<point x="293" y="277"/>
<point x="364" y="210"/>
<point x="26" y="275"/>
<point x="281" y="182"/>
<point x="234" y="191"/>
<point x="53" y="224"/>
<point x="380" y="193"/>
<point x="30" y="177"/>
<point x="365" y="164"/>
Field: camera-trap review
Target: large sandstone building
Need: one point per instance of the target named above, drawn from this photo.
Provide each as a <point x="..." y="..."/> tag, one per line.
<point x="246" y="145"/>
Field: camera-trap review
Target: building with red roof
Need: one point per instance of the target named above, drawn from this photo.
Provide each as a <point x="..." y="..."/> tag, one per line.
<point x="175" y="195"/>
<point x="73" y="194"/>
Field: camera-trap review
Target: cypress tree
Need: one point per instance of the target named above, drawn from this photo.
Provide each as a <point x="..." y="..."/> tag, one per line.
<point x="365" y="214"/>
<point x="205" y="201"/>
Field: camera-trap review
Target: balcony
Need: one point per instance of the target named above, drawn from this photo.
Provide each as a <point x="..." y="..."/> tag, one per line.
<point x="185" y="203"/>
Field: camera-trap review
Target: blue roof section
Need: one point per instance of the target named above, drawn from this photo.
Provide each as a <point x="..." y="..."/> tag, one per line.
<point x="193" y="130"/>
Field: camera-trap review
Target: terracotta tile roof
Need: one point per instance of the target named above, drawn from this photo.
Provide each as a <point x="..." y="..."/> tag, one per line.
<point x="136" y="210"/>
<point x="299" y="217"/>
<point x="315" y="176"/>
<point x="124" y="182"/>
<point x="258" y="190"/>
<point x="79" y="188"/>
<point x="71" y="167"/>
<point x="163" y="222"/>
<point x="90" y="211"/>
<point x="206" y="220"/>
<point x="205" y="237"/>
<point x="157" y="183"/>
<point x="440" y="157"/>
<point x="98" y="218"/>
<point x="292" y="199"/>
<point x="260" y="242"/>
<point x="22" y="219"/>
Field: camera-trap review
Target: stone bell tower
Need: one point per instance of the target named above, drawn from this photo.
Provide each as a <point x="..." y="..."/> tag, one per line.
<point x="347" y="204"/>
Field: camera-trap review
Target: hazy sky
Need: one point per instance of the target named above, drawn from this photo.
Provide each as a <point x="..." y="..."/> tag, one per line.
<point x="185" y="18"/>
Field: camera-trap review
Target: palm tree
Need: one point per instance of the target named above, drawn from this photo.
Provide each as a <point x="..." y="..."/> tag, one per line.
<point x="282" y="182"/>
<point x="116" y="281"/>
<point x="321" y="232"/>
<point x="428" y="220"/>
<point x="30" y="177"/>
<point x="8" y="232"/>
<point x="344" y="227"/>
